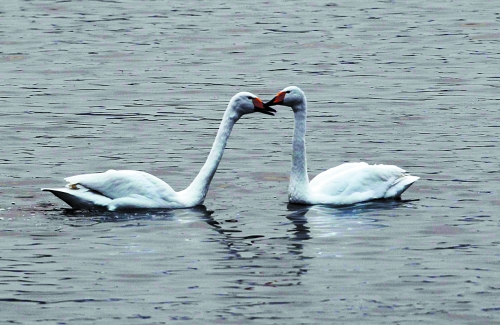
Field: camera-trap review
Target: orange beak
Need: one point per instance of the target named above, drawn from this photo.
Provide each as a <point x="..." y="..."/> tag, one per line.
<point x="278" y="99"/>
<point x="261" y="108"/>
<point x="257" y="102"/>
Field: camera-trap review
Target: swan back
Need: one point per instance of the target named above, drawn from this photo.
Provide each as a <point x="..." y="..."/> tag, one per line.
<point x="357" y="182"/>
<point x="122" y="183"/>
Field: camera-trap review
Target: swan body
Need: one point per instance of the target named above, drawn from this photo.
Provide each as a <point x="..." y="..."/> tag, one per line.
<point x="345" y="184"/>
<point x="130" y="189"/>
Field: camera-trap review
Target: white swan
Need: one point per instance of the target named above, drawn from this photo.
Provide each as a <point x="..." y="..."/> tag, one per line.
<point x="346" y="184"/>
<point x="131" y="189"/>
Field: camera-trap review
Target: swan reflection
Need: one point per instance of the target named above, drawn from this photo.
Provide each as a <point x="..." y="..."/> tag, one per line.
<point x="319" y="221"/>
<point x="83" y="217"/>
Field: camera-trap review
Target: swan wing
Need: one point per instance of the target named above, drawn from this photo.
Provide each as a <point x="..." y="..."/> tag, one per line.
<point x="116" y="184"/>
<point x="358" y="182"/>
<point x="329" y="175"/>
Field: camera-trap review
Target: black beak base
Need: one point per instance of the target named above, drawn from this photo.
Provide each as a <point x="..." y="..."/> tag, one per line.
<point x="266" y="110"/>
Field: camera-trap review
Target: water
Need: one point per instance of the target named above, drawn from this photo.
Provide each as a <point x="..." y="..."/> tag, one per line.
<point x="89" y="86"/>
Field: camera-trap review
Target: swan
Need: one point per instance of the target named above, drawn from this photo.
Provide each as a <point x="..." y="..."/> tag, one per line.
<point x="131" y="189"/>
<point x="345" y="184"/>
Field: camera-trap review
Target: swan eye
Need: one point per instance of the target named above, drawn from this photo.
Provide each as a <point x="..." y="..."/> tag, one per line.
<point x="250" y="97"/>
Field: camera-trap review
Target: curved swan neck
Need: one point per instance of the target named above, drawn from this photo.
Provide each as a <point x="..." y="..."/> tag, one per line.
<point x="198" y="188"/>
<point x="299" y="180"/>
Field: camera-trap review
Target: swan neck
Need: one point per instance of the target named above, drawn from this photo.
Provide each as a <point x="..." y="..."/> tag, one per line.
<point x="198" y="188"/>
<point x="299" y="180"/>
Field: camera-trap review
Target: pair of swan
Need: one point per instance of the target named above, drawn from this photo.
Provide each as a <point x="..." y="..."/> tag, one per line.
<point x="348" y="183"/>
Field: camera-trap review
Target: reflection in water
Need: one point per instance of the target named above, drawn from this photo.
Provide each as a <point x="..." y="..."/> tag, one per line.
<point x="326" y="221"/>
<point x="181" y="215"/>
<point x="272" y="269"/>
<point x="250" y="260"/>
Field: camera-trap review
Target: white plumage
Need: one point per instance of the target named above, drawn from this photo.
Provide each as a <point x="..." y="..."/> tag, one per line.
<point x="345" y="184"/>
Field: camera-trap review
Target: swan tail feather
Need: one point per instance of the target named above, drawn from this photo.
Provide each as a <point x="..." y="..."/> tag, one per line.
<point x="80" y="198"/>
<point x="400" y="185"/>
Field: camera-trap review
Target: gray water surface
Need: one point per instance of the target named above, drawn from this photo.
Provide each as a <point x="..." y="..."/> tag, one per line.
<point x="92" y="85"/>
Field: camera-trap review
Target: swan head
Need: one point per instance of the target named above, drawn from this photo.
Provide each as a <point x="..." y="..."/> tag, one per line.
<point x="291" y="96"/>
<point x="245" y="103"/>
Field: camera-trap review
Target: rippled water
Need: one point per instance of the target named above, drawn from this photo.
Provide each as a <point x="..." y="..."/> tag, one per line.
<point x="92" y="85"/>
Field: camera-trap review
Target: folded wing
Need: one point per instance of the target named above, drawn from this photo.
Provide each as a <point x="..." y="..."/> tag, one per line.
<point x="357" y="182"/>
